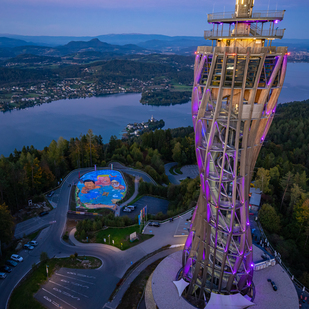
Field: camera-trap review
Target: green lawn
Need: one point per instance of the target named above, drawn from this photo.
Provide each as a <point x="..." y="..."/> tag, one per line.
<point x="102" y="211"/>
<point x="178" y="171"/>
<point x="121" y="236"/>
<point x="22" y="296"/>
<point x="172" y="170"/>
<point x="178" y="87"/>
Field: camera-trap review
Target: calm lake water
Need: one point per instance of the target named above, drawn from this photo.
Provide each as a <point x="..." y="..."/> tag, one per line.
<point x="109" y="115"/>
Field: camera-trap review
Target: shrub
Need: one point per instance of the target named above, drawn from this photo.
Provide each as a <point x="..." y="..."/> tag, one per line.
<point x="83" y="235"/>
<point x="43" y="257"/>
<point x="65" y="236"/>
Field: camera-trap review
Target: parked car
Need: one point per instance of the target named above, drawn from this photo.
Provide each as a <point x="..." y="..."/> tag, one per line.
<point x="5" y="269"/>
<point x="16" y="258"/>
<point x="33" y="243"/>
<point x="152" y="223"/>
<point x="11" y="263"/>
<point x="43" y="213"/>
<point x="132" y="207"/>
<point x="126" y="209"/>
<point x="2" y="275"/>
<point x="28" y="247"/>
<point x="51" y="193"/>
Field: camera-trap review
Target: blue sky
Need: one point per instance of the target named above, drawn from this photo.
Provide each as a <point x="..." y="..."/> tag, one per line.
<point x="170" y="17"/>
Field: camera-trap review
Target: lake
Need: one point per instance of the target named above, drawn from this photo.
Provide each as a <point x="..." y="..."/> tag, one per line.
<point x="108" y="115"/>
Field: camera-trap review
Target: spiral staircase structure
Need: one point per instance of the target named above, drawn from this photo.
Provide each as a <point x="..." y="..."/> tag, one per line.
<point x="237" y="82"/>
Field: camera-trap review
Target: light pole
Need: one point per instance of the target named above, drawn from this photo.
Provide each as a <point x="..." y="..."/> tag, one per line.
<point x="109" y="239"/>
<point x="46" y="270"/>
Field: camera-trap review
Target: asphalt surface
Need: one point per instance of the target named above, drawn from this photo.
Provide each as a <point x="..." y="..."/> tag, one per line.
<point x="154" y="205"/>
<point x="172" y="178"/>
<point x="74" y="288"/>
<point x="187" y="171"/>
<point x="37" y="223"/>
<point x="115" y="261"/>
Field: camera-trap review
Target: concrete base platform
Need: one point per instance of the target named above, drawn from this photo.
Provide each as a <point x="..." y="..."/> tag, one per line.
<point x="162" y="291"/>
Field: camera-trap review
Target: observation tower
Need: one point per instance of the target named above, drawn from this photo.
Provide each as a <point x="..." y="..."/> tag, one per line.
<point x="237" y="82"/>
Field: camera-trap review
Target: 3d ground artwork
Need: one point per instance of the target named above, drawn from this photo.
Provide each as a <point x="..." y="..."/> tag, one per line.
<point x="100" y="189"/>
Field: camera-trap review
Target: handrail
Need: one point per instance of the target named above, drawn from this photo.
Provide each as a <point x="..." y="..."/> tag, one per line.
<point x="254" y="33"/>
<point x="256" y="14"/>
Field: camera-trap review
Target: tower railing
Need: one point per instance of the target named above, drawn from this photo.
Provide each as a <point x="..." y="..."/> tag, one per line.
<point x="260" y="15"/>
<point x="221" y="33"/>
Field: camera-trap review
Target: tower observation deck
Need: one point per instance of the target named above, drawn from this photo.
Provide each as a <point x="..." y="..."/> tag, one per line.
<point x="237" y="82"/>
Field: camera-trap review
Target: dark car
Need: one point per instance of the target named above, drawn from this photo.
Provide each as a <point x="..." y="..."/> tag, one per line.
<point x="43" y="213"/>
<point x="5" y="269"/>
<point x="156" y="224"/>
<point x="11" y="263"/>
<point x="274" y="286"/>
<point x="50" y="193"/>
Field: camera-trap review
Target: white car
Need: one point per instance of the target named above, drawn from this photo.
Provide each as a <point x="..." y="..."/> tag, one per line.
<point x="28" y="247"/>
<point x="126" y="209"/>
<point x="16" y="258"/>
<point x="33" y="243"/>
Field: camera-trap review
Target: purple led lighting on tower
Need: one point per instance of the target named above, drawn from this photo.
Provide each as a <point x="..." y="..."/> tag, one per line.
<point x="237" y="82"/>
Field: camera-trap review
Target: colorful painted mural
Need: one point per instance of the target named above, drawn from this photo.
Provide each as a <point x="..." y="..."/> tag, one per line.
<point x="100" y="189"/>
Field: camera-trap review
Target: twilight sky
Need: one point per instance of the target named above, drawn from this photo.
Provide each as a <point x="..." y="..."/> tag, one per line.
<point x="170" y="17"/>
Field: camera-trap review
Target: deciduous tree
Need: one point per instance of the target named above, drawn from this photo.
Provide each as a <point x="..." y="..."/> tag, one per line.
<point x="6" y="225"/>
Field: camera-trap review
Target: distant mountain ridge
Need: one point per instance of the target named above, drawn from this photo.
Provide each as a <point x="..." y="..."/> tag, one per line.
<point x="9" y="42"/>
<point x="110" y="46"/>
<point x="117" y="39"/>
<point x="94" y="45"/>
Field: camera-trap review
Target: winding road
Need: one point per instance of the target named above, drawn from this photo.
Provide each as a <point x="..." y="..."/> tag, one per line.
<point x="115" y="261"/>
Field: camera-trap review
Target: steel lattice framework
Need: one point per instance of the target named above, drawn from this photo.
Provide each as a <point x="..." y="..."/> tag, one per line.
<point x="237" y="83"/>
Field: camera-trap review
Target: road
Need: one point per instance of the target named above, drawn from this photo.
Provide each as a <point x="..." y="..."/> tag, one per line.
<point x="133" y="172"/>
<point x="187" y="171"/>
<point x="172" y="178"/>
<point x="115" y="261"/>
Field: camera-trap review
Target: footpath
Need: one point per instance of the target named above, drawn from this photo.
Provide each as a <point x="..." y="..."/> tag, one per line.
<point x="135" y="272"/>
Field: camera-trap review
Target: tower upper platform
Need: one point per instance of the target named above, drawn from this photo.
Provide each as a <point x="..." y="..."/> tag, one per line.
<point x="245" y="24"/>
<point x="257" y="16"/>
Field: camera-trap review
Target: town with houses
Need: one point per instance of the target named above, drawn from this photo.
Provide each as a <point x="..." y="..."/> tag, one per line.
<point x="18" y="97"/>
<point x="136" y="129"/>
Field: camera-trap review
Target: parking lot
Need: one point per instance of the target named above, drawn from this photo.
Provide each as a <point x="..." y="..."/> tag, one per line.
<point x="154" y="205"/>
<point x="72" y="288"/>
<point x="190" y="171"/>
<point x="182" y="227"/>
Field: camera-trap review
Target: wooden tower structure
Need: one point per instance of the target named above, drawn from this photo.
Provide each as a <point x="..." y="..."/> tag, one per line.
<point x="237" y="82"/>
